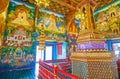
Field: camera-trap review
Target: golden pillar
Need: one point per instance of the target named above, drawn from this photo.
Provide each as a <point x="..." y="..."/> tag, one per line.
<point x="42" y="37"/>
<point x="3" y="10"/>
<point x="36" y="16"/>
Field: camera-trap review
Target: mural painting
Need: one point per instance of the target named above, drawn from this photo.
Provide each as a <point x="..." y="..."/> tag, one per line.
<point x="17" y="47"/>
<point x="108" y="21"/>
<point x="54" y="28"/>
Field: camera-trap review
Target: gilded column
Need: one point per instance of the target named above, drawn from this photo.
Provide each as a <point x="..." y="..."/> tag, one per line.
<point x="3" y="11"/>
<point x="36" y="16"/>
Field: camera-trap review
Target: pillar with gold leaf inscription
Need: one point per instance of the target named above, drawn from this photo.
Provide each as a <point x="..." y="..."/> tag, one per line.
<point x="42" y="41"/>
<point x="42" y="38"/>
<point x="91" y="60"/>
<point x="3" y="10"/>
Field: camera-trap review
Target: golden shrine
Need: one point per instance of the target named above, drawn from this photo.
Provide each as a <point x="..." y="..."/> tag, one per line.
<point x="90" y="60"/>
<point x="60" y="22"/>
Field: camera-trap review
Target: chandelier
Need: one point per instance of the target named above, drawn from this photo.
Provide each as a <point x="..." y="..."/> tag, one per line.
<point x="42" y="3"/>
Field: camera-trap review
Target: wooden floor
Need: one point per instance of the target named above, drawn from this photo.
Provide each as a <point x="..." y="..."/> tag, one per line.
<point x="18" y="74"/>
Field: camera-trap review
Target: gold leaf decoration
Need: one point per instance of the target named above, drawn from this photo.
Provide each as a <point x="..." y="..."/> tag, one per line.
<point x="3" y="5"/>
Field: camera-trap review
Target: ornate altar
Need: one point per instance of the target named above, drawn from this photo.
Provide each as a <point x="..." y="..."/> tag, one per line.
<point x="90" y="59"/>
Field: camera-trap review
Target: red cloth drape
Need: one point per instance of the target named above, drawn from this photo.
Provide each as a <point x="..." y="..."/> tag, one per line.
<point x="59" y="46"/>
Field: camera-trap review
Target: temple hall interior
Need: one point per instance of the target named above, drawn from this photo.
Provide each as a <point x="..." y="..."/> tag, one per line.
<point x="59" y="39"/>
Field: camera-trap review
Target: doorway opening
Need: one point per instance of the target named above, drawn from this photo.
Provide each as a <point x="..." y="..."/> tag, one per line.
<point x="48" y="53"/>
<point x="39" y="56"/>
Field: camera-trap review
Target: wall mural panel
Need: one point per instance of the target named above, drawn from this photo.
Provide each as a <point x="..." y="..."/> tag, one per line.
<point x="108" y="21"/>
<point x="54" y="26"/>
<point x="17" y="50"/>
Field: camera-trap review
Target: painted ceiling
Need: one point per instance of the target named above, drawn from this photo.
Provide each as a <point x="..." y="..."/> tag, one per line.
<point x="65" y="6"/>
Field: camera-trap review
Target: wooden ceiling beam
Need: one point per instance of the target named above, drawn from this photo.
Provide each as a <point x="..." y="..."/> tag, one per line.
<point x="64" y="4"/>
<point x="83" y="2"/>
<point x="75" y="1"/>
